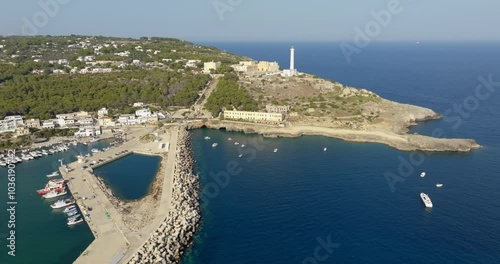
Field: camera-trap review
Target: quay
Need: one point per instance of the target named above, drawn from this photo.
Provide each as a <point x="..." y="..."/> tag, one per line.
<point x="115" y="241"/>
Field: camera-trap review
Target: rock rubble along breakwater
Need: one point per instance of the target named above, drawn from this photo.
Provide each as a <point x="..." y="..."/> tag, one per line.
<point x="167" y="243"/>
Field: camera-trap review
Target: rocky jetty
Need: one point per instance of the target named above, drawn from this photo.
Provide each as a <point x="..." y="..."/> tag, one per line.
<point x="167" y="243"/>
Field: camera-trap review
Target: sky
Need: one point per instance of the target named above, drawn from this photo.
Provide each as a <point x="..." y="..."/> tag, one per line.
<point x="258" y="20"/>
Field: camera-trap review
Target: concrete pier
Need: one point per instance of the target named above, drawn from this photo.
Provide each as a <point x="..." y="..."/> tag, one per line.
<point x="114" y="241"/>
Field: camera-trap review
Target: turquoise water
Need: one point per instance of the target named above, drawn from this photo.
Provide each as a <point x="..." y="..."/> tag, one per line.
<point x="284" y="207"/>
<point x="42" y="235"/>
<point x="130" y="177"/>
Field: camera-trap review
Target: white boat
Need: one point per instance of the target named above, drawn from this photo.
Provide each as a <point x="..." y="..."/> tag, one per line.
<point x="324" y="149"/>
<point x="72" y="212"/>
<point x="439" y="185"/>
<point x="74" y="221"/>
<point x="422" y="174"/>
<point x="74" y="217"/>
<point x="53" y="174"/>
<point x="275" y="150"/>
<point x="207" y="138"/>
<point x="427" y="201"/>
<point x="62" y="203"/>
<point x="241" y="155"/>
<point x="95" y="151"/>
<point x="69" y="208"/>
<point x="236" y="143"/>
<point x="214" y="145"/>
<point x="54" y="194"/>
<point x="229" y="139"/>
<point x="242" y="145"/>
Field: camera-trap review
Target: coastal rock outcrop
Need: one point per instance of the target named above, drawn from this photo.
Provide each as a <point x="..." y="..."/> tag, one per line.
<point x="168" y="242"/>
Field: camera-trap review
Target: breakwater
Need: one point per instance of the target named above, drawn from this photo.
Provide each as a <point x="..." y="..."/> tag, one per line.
<point x="167" y="243"/>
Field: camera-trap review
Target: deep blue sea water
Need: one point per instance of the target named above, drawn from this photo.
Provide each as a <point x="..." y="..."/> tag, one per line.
<point x="280" y="205"/>
<point x="130" y="177"/>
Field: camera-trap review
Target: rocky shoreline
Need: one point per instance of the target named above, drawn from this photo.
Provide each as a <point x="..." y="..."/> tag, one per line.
<point x="168" y="242"/>
<point x="400" y="141"/>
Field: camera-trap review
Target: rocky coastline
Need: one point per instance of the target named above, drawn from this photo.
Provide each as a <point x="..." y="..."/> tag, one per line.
<point x="400" y="141"/>
<point x="174" y="235"/>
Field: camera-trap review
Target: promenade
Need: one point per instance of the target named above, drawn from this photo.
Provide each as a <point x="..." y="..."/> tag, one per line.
<point x="114" y="240"/>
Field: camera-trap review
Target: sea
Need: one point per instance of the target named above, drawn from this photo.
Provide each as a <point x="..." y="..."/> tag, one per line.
<point x="354" y="202"/>
<point x="359" y="202"/>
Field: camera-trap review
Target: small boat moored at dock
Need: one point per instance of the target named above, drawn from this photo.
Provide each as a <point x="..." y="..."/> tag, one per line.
<point x="62" y="203"/>
<point x="74" y="221"/>
<point x="54" y="194"/>
<point x="53" y="174"/>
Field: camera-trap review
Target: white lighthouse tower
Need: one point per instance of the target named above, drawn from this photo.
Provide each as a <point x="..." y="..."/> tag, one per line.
<point x="292" y="71"/>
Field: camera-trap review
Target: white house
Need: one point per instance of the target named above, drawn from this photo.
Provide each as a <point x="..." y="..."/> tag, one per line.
<point x="88" y="132"/>
<point x="143" y="112"/>
<point x="51" y="123"/>
<point x="89" y="121"/>
<point x="102" y="112"/>
<point x="125" y="120"/>
<point x="138" y="104"/>
<point x="207" y="66"/>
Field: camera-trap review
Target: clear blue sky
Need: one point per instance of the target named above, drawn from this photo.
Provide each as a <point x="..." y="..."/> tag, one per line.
<point x="255" y="20"/>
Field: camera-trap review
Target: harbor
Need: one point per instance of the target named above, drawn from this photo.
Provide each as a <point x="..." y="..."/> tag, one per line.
<point x="119" y="227"/>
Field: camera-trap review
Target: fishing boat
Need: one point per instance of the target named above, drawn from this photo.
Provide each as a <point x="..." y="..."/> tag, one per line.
<point x="48" y="189"/>
<point x="53" y="174"/>
<point x="54" y="194"/>
<point x="422" y="174"/>
<point x="439" y="185"/>
<point x="75" y="221"/>
<point x="62" y="203"/>
<point x="427" y="201"/>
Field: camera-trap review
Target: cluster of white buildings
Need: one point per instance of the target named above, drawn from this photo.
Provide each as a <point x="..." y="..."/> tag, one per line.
<point x="141" y="116"/>
<point x="257" y="67"/>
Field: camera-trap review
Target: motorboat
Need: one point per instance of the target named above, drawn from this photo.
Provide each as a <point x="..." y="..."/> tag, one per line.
<point x="74" y="217"/>
<point x="62" y="203"/>
<point x="422" y="174"/>
<point x="54" y="194"/>
<point x="95" y="151"/>
<point x="241" y="155"/>
<point x="53" y="174"/>
<point x="275" y="150"/>
<point x="439" y="185"/>
<point x="48" y="189"/>
<point x="207" y="138"/>
<point x="236" y="143"/>
<point x="69" y="208"/>
<point x="427" y="201"/>
<point x="242" y="145"/>
<point x="72" y="212"/>
<point x="75" y="221"/>
<point x="229" y="139"/>
<point x="324" y="149"/>
<point x="214" y="145"/>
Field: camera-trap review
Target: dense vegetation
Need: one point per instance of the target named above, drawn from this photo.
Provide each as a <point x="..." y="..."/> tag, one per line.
<point x="229" y="95"/>
<point x="44" y="96"/>
<point x="189" y="93"/>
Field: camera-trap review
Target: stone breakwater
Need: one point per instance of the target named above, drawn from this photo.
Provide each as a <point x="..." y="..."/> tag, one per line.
<point x="167" y="243"/>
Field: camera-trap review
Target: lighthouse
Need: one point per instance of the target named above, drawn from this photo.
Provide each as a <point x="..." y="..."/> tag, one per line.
<point x="292" y="71"/>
